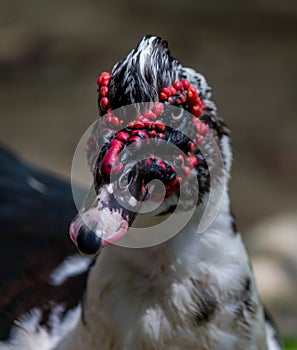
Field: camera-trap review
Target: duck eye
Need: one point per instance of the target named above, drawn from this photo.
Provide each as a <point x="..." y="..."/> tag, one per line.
<point x="177" y="113"/>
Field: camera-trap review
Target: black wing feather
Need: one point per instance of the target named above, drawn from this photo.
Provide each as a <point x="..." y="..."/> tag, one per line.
<point x="33" y="241"/>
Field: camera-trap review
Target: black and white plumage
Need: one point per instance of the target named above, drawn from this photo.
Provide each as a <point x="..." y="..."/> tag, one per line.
<point x="37" y="285"/>
<point x="191" y="292"/>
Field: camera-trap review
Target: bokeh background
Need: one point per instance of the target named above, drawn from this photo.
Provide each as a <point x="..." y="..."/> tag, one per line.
<point x="51" y="53"/>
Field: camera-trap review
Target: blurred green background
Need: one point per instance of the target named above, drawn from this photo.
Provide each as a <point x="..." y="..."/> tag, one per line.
<point x="51" y="53"/>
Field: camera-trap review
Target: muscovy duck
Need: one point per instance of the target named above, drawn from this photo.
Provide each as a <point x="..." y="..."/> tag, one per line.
<point x="195" y="290"/>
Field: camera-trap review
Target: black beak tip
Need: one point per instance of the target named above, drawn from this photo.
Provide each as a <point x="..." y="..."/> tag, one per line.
<point x="88" y="243"/>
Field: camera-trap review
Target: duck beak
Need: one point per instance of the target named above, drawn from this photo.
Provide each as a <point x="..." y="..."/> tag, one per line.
<point x="101" y="221"/>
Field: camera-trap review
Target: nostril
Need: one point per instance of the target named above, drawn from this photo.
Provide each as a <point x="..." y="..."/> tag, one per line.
<point x="87" y="241"/>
